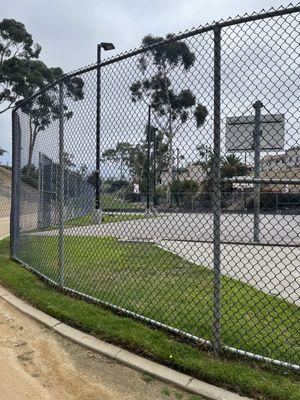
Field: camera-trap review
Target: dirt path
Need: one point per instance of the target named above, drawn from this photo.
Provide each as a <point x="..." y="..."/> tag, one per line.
<point x="37" y="364"/>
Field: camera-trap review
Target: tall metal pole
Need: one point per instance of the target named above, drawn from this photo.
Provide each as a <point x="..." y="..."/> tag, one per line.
<point x="245" y="198"/>
<point x="61" y="189"/>
<point x="256" y="144"/>
<point x="98" y="211"/>
<point x="177" y="163"/>
<point x="148" y="157"/>
<point x="154" y="169"/>
<point x="16" y="184"/>
<point x="216" y="206"/>
<point x="40" y="187"/>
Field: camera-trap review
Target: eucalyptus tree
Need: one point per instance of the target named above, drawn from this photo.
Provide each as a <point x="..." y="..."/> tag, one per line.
<point x="2" y="151"/>
<point x="22" y="74"/>
<point x="17" y="51"/>
<point x="43" y="109"/>
<point x="160" y="66"/>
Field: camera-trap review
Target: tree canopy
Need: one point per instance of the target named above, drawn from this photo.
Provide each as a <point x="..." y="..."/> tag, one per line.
<point x="133" y="159"/>
<point x="2" y="151"/>
<point x="159" y="87"/>
<point x="22" y="74"/>
<point x="171" y="107"/>
<point x="231" y="166"/>
<point x="17" y="51"/>
<point x="44" y="108"/>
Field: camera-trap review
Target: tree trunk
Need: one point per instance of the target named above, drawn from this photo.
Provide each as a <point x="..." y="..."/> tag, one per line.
<point x="170" y="141"/>
<point x="29" y="164"/>
<point x="33" y="134"/>
<point x="30" y="151"/>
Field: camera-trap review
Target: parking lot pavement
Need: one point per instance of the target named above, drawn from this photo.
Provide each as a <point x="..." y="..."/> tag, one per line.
<point x="275" y="229"/>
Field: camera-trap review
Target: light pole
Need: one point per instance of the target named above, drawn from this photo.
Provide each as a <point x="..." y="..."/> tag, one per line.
<point x="154" y="168"/>
<point x="177" y="163"/>
<point x="98" y="211"/>
<point x="256" y="145"/>
<point x="148" y="158"/>
<point x="151" y="133"/>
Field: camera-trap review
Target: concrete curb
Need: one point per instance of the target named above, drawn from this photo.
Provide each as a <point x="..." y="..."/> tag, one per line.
<point x="5" y="236"/>
<point x="134" y="361"/>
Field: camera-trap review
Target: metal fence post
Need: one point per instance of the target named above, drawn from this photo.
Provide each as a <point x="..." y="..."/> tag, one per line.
<point x="148" y="158"/>
<point x="16" y="189"/>
<point x="13" y="193"/>
<point x="40" y="193"/>
<point x="257" y="134"/>
<point x="154" y="168"/>
<point x="216" y="206"/>
<point x="61" y="190"/>
<point x="98" y="208"/>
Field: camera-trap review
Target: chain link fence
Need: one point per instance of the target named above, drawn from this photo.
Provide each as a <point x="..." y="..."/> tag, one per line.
<point x="78" y="196"/>
<point x="177" y="179"/>
<point x="5" y="200"/>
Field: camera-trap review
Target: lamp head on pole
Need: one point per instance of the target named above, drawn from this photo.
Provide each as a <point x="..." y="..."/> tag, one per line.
<point x="107" y="46"/>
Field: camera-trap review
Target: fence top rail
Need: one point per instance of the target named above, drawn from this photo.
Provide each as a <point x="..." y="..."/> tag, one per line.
<point x="255" y="16"/>
<point x="286" y="181"/>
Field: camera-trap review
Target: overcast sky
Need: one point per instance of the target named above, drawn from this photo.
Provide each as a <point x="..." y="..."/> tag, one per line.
<point x="68" y="30"/>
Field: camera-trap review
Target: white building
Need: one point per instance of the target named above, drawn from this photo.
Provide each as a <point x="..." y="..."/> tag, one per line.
<point x="282" y="166"/>
<point x="192" y="172"/>
<point x="271" y="161"/>
<point x="291" y="159"/>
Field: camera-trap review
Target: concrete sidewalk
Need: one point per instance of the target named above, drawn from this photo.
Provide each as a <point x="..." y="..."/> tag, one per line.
<point x="236" y="228"/>
<point x="274" y="270"/>
<point x="4" y="226"/>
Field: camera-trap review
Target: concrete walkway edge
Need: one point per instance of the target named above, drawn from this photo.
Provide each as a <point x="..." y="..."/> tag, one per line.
<point x="139" y="363"/>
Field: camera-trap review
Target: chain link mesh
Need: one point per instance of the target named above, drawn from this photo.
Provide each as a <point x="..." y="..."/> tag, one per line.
<point x="5" y="196"/>
<point x="197" y="242"/>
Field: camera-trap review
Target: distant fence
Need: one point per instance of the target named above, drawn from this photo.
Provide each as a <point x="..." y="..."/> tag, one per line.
<point x="238" y="201"/>
<point x="221" y="268"/>
<point x="5" y="200"/>
<point x="79" y="195"/>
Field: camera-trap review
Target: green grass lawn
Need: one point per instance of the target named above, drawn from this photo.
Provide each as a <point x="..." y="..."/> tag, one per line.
<point x="108" y="201"/>
<point x="88" y="219"/>
<point x="258" y="380"/>
<point x="107" y="218"/>
<point x="148" y="280"/>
